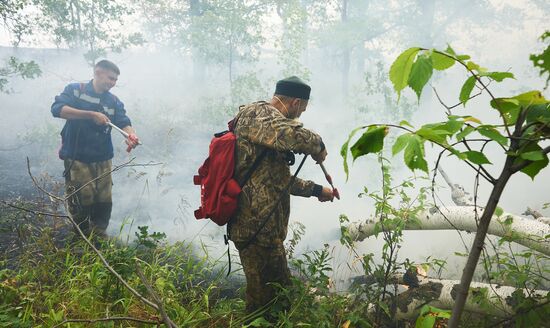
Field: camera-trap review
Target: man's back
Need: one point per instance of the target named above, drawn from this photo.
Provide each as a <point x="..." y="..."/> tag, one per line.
<point x="261" y="126"/>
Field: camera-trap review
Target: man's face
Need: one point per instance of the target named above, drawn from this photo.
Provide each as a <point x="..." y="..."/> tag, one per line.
<point x="105" y="79"/>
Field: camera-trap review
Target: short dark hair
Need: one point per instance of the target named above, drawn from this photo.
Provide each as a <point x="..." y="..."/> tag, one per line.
<point x="108" y="65"/>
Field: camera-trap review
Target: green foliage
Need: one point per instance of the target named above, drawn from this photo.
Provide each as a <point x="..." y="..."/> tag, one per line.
<point x="476" y="157"/>
<point x="86" y="23"/>
<point x="414" y="68"/>
<point x="401" y="70"/>
<point x="17" y="68"/>
<point x="542" y="60"/>
<point x="429" y="315"/>
<point x="467" y="90"/>
<point x="149" y="240"/>
<point x="372" y="141"/>
<point x="421" y="72"/>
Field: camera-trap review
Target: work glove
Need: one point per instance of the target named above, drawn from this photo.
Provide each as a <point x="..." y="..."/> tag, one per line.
<point x="132" y="141"/>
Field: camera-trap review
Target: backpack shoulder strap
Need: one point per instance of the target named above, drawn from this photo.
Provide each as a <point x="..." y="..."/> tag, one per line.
<point x="232" y="125"/>
<point x="253" y="167"/>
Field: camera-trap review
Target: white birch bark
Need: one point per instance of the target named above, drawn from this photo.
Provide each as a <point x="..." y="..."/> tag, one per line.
<point x="491" y="299"/>
<point x="532" y="233"/>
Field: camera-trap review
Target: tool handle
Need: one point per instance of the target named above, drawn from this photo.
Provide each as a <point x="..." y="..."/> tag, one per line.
<point x="124" y="133"/>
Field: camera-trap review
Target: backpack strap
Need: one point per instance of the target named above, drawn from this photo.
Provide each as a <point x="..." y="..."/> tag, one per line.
<point x="270" y="214"/>
<point x="253" y="167"/>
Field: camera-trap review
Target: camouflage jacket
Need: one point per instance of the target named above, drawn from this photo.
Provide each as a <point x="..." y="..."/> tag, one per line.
<point x="260" y="125"/>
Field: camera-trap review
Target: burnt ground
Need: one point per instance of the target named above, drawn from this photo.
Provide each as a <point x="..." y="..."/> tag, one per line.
<point x="19" y="228"/>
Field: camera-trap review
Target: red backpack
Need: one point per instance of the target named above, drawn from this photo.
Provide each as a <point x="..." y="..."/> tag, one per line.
<point x="219" y="190"/>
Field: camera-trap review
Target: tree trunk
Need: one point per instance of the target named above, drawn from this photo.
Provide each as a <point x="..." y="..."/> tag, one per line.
<point x="479" y="241"/>
<point x="484" y="298"/>
<point x="531" y="232"/>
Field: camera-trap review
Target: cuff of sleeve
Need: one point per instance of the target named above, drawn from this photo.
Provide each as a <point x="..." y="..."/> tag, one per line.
<point x="317" y="189"/>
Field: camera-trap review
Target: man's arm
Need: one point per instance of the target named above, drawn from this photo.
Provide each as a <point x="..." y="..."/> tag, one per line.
<point x="306" y="188"/>
<point x="70" y="113"/>
<point x="63" y="108"/>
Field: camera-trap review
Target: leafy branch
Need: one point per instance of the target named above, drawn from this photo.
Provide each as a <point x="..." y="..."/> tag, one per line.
<point x="526" y="121"/>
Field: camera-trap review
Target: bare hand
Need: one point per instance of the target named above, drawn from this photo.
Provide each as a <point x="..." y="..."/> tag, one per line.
<point x="326" y="195"/>
<point x="100" y="118"/>
<point x="320" y="158"/>
<point x="132" y="141"/>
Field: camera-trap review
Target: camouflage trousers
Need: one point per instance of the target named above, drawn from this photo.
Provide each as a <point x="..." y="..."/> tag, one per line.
<point x="90" y="206"/>
<point x="263" y="267"/>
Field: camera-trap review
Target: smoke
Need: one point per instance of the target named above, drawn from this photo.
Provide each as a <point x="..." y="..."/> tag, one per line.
<point x="176" y="114"/>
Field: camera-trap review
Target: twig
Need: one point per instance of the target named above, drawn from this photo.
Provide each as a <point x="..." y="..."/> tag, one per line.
<point x="499" y="323"/>
<point x="150" y="322"/>
<point x="38" y="186"/>
<point x="91" y="245"/>
<point x="453" y="106"/>
<point x="33" y="211"/>
<point x="155" y="297"/>
<point x="105" y="263"/>
<point x="145" y="164"/>
<point x="116" y="168"/>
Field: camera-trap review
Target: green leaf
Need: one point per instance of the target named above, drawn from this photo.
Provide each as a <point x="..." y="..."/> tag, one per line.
<point x="505" y="104"/>
<point x="428" y="316"/>
<point x="400" y="143"/>
<point x="436" y="135"/>
<point x="539" y="113"/>
<point x="463" y="57"/>
<point x="498" y="76"/>
<point x="414" y="155"/>
<point x="405" y="123"/>
<point x="499" y="211"/>
<point x="536" y="166"/>
<point x="371" y="141"/>
<point x="401" y="69"/>
<point x="441" y="62"/>
<point x="421" y="72"/>
<point x="467" y="90"/>
<point x="534" y="156"/>
<point x="476" y="157"/>
<point x="344" y="150"/>
<point x="464" y="133"/>
<point x="531" y="98"/>
<point x="474" y="67"/>
<point x="450" y="50"/>
<point x="493" y="134"/>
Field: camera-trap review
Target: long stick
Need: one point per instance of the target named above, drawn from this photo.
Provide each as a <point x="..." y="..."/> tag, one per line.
<point x="335" y="192"/>
<point x="124" y="133"/>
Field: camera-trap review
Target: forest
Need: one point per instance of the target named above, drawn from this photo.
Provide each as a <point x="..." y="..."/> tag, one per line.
<point x="433" y="113"/>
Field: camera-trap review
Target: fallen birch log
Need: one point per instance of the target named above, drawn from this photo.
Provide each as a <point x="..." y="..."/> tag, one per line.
<point x="482" y="298"/>
<point x="528" y="232"/>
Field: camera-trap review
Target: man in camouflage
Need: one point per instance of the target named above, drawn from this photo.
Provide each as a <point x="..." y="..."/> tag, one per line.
<point x="87" y="148"/>
<point x="273" y="126"/>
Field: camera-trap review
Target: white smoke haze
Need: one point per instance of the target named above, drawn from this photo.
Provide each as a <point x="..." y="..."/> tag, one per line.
<point x="176" y="114"/>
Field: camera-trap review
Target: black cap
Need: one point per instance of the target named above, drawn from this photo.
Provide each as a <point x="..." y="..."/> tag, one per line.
<point x="293" y="87"/>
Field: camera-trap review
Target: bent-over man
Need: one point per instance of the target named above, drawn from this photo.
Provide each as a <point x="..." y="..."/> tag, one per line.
<point x="273" y="126"/>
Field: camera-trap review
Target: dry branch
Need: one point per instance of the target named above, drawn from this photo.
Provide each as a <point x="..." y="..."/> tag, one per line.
<point x="150" y="322"/>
